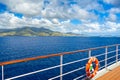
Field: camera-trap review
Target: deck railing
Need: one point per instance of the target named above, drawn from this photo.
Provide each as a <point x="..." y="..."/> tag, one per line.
<point x="61" y="64"/>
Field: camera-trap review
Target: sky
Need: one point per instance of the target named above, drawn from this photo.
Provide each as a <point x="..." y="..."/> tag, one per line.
<point x="89" y="17"/>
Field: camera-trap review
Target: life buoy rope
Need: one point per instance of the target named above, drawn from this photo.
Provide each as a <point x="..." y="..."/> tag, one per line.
<point x="90" y="71"/>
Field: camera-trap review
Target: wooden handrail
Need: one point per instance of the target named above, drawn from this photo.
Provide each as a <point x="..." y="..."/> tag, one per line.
<point x="50" y="55"/>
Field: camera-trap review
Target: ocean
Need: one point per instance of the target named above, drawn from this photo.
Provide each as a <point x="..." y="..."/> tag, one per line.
<point x="12" y="48"/>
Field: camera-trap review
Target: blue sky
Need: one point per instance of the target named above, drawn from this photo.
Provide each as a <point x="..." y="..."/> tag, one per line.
<point x="89" y="17"/>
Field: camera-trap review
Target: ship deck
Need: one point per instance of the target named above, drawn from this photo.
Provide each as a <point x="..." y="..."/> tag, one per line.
<point x="113" y="74"/>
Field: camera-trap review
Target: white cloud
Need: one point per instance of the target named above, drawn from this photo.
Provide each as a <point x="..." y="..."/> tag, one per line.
<point x="114" y="10"/>
<point x="56" y="15"/>
<point x="52" y="10"/>
<point x="26" y="7"/>
<point x="8" y="20"/>
<point x="111" y="27"/>
<point x="93" y="27"/>
<point x="116" y="3"/>
<point x="111" y="17"/>
<point x="55" y="21"/>
<point x="82" y="13"/>
<point x="97" y="28"/>
<point x="90" y="4"/>
<point x="76" y="31"/>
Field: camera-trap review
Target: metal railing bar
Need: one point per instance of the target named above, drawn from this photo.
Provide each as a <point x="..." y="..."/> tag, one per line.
<point x="117" y="53"/>
<point x="89" y="53"/>
<point x="61" y="66"/>
<point x="61" y="62"/>
<point x="51" y="55"/>
<point x="111" y="51"/>
<point x="2" y="72"/>
<point x="99" y="55"/>
<point x="54" y="77"/>
<point x="55" y="67"/>
<point x="112" y="62"/>
<point x="106" y="52"/>
<point x="26" y="74"/>
<point x="111" y="57"/>
<point x="80" y="77"/>
<point x="102" y="47"/>
<point x="101" y="67"/>
<point x="73" y="70"/>
<point x="67" y="73"/>
<point x="101" y="61"/>
<point x="75" y="61"/>
<point x="50" y="68"/>
<point x="40" y="57"/>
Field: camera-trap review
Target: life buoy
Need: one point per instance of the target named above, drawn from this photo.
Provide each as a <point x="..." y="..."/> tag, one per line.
<point x="90" y="71"/>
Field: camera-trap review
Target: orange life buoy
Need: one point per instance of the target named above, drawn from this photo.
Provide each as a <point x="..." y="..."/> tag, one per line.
<point x="90" y="68"/>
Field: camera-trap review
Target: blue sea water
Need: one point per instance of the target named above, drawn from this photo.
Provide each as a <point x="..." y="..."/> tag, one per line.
<point x="12" y="48"/>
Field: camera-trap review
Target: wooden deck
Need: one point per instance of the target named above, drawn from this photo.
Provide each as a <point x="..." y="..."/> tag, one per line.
<point x="111" y="75"/>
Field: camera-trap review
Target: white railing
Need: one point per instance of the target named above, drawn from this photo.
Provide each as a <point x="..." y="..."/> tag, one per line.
<point x="61" y="64"/>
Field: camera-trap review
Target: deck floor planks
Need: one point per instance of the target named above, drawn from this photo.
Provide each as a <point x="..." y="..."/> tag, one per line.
<point x="111" y="75"/>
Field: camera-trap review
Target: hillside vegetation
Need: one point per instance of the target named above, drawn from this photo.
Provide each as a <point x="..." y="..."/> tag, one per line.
<point x="32" y="31"/>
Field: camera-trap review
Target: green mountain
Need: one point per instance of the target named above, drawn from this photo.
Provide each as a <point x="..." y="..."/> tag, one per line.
<point x="32" y="31"/>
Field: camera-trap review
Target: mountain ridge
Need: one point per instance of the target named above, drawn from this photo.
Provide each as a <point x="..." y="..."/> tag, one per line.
<point x="32" y="31"/>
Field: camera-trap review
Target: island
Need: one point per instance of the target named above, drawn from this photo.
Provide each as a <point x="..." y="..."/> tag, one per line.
<point x="33" y="31"/>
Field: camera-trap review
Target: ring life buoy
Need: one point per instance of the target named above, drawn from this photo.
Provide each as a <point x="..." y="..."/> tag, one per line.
<point x="90" y="71"/>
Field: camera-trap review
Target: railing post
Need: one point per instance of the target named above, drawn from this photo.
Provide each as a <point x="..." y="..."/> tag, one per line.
<point x="106" y="52"/>
<point x="61" y="67"/>
<point x="2" y="72"/>
<point x="89" y="53"/>
<point x="116" y="53"/>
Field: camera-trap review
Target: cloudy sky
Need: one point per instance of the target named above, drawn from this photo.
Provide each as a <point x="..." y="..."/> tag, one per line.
<point x="91" y="17"/>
